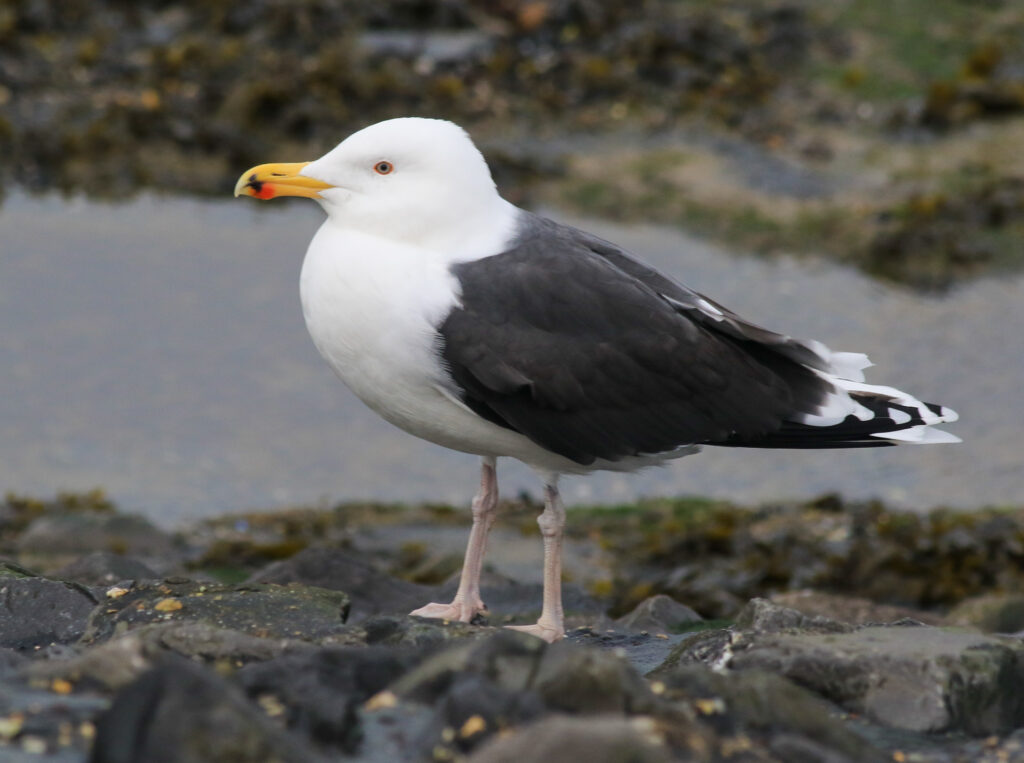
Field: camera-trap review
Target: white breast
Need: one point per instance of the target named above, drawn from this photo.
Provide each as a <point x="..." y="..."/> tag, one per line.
<point x="372" y="307"/>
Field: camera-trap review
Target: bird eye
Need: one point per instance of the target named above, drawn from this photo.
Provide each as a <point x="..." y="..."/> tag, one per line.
<point x="383" y="168"/>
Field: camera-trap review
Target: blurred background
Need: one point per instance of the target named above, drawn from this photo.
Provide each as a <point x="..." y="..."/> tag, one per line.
<point x="850" y="171"/>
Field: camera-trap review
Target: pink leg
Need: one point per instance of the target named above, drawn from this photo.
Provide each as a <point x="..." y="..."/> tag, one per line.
<point x="551" y="625"/>
<point x="467" y="601"/>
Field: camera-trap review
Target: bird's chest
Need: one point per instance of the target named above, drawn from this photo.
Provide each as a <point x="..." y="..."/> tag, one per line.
<point x="372" y="310"/>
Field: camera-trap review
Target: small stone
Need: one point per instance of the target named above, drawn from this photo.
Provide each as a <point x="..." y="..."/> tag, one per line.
<point x="168" y="605"/>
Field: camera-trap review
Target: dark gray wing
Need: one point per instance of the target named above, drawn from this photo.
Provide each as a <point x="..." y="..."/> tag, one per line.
<point x="593" y="355"/>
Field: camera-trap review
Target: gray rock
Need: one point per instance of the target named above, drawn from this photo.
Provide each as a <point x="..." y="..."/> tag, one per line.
<point x="507" y="658"/>
<point x="72" y="535"/>
<point x="994" y="613"/>
<point x="119" y="661"/>
<point x="595" y="739"/>
<point x="418" y="631"/>
<point x="915" y="678"/>
<point x="642" y="650"/>
<point x="762" y="616"/>
<point x="372" y="591"/>
<point x="792" y="721"/>
<point x="322" y="690"/>
<point x="710" y="647"/>
<point x="104" y="568"/>
<point x="180" y="712"/>
<point x="851" y="609"/>
<point x="35" y="612"/>
<point x="577" y="680"/>
<point x="271" y="611"/>
<point x="661" y="614"/>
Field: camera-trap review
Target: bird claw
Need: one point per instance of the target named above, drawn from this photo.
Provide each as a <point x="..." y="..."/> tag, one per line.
<point x="549" y="633"/>
<point x="458" y="611"/>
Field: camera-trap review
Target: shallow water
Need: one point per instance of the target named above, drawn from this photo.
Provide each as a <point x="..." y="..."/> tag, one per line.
<point x="156" y="348"/>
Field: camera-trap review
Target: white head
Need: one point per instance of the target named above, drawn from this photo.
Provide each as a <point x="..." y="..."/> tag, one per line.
<point x="408" y="179"/>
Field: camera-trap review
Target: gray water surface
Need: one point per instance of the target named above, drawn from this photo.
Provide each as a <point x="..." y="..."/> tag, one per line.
<point x="156" y="349"/>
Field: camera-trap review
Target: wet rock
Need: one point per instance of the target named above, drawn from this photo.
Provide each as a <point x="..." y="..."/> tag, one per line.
<point x="643" y="651"/>
<point x="180" y="712"/>
<point x="762" y="616"/>
<point x="658" y="614"/>
<point x="320" y="692"/>
<point x="269" y="611"/>
<point x="597" y="739"/>
<point x="119" y="661"/>
<point x="994" y="613"/>
<point x="103" y="568"/>
<point x="789" y="720"/>
<point x="852" y="609"/>
<point x="372" y="591"/>
<point x="35" y="612"/>
<point x="915" y="678"/>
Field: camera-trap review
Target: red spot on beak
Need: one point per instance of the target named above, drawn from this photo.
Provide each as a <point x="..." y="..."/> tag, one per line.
<point x="266" y="191"/>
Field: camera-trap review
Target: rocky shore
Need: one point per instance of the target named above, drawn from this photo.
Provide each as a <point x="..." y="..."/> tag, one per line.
<point x="828" y="129"/>
<point x="700" y="631"/>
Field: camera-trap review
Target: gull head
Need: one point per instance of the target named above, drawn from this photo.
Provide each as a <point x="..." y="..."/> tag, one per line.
<point x="397" y="179"/>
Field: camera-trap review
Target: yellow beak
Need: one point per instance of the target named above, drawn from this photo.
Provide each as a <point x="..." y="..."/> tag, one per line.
<point x="269" y="180"/>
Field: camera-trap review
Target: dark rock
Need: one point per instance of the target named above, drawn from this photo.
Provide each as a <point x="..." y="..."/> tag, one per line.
<point x="579" y="680"/>
<point x="596" y="739"/>
<point x="793" y="722"/>
<point x="35" y="612"/>
<point x="762" y="616"/>
<point x="372" y="591"/>
<point x="180" y="712"/>
<point x="119" y="661"/>
<point x="305" y="613"/>
<point x="396" y="733"/>
<point x="507" y="658"/>
<point x="851" y="609"/>
<point x="658" y="614"/>
<point x="104" y="568"/>
<point x="918" y="678"/>
<point x="322" y="690"/>
<point x="476" y="690"/>
<point x="642" y="650"/>
<point x="476" y="708"/>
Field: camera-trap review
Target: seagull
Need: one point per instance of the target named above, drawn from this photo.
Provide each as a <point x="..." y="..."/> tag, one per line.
<point x="484" y="328"/>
